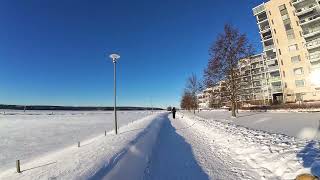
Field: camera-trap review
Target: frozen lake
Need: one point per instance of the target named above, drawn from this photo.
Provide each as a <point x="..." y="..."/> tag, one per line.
<point x="26" y="135"/>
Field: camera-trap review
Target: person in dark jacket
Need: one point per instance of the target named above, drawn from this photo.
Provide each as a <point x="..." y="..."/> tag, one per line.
<point x="173" y="110"/>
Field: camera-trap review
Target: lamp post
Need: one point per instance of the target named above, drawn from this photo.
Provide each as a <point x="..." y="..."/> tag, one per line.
<point x="114" y="57"/>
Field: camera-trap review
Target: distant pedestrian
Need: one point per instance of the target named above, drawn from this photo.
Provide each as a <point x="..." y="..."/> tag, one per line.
<point x="173" y="110"/>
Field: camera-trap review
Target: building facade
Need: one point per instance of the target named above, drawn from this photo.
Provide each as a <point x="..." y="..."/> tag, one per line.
<point x="290" y="35"/>
<point x="213" y="97"/>
<point x="254" y="80"/>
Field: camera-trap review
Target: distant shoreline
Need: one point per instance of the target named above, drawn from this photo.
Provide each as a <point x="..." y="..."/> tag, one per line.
<point x="73" y="108"/>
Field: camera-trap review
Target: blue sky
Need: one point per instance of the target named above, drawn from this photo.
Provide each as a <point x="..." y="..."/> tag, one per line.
<point x="53" y="52"/>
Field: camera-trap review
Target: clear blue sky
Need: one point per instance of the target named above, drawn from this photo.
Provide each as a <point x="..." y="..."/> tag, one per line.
<point x="53" y="52"/>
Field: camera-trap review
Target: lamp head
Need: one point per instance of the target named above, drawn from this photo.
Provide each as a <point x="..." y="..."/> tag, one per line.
<point x="114" y="57"/>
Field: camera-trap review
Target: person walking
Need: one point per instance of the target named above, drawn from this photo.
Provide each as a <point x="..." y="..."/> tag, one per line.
<point x="173" y="112"/>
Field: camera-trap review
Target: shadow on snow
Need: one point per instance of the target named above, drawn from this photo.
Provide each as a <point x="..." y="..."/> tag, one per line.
<point x="173" y="157"/>
<point x="310" y="156"/>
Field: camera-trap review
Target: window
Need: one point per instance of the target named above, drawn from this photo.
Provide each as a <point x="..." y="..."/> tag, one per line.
<point x="279" y="51"/>
<point x="275" y="32"/>
<point x="284" y="74"/>
<point x="285" y="85"/>
<point x="272" y="21"/>
<point x="285" y="17"/>
<point x="269" y="12"/>
<point x="290" y="34"/>
<point x="299" y="97"/>
<point x="297" y="23"/>
<point x="300" y="33"/>
<point x="282" y="7"/>
<point x="277" y="41"/>
<point x="293" y="47"/>
<point x="281" y="62"/>
<point x="298" y="71"/>
<point x="295" y="59"/>
<point x="299" y="83"/>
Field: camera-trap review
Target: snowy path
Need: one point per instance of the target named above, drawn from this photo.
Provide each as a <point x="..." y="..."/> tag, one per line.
<point x="173" y="157"/>
<point x="183" y="152"/>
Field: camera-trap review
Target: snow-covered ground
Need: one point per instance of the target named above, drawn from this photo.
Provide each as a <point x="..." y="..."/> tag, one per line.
<point x="122" y="156"/>
<point x="26" y="135"/>
<point x="158" y="147"/>
<point x="246" y="153"/>
<point x="298" y="124"/>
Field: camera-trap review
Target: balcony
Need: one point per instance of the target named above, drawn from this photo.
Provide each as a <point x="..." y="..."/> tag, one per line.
<point x="266" y="38"/>
<point x="259" y="9"/>
<point x="270" y="58"/>
<point x="309" y="20"/>
<point x="257" y="78"/>
<point x="313" y="44"/>
<point x="273" y="68"/>
<point x="268" y="48"/>
<point x="274" y="79"/>
<point x="305" y="10"/>
<point x="314" y="57"/>
<point x="295" y="2"/>
<point x="276" y="89"/>
<point x="265" y="29"/>
<point x="256" y="65"/>
<point x="311" y="32"/>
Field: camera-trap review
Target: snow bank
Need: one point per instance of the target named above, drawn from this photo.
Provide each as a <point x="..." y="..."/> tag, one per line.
<point x="97" y="158"/>
<point x="272" y="156"/>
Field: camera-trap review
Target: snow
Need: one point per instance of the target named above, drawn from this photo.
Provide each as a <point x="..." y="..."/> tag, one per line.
<point x="188" y="147"/>
<point x="26" y="135"/>
<point x="270" y="155"/>
<point x="102" y="157"/>
<point x="297" y="124"/>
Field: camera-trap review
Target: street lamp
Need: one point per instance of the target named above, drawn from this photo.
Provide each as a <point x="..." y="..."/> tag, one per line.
<point x="114" y="57"/>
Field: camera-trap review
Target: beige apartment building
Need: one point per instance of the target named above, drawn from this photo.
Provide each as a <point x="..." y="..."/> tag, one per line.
<point x="290" y="34"/>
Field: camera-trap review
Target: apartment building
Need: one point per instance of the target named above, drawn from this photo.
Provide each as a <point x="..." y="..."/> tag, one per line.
<point x="288" y="30"/>
<point x="213" y="97"/>
<point x="204" y="98"/>
<point x="254" y="80"/>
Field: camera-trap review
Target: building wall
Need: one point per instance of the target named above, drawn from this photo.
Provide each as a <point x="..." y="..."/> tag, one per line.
<point x="284" y="25"/>
<point x="253" y="74"/>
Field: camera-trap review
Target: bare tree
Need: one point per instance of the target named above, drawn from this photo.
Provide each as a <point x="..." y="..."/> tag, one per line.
<point x="193" y="87"/>
<point x="225" y="53"/>
<point x="186" y="101"/>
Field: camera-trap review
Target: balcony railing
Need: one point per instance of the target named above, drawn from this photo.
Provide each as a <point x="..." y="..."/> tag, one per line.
<point x="268" y="58"/>
<point x="311" y="32"/>
<point x="265" y="28"/>
<point x="259" y="9"/>
<point x="273" y="68"/>
<point x="313" y="44"/>
<point x="314" y="57"/>
<point x="309" y="19"/>
<point x="267" y="48"/>
<point x="268" y="37"/>
<point x="294" y="2"/>
<point x="305" y="10"/>
<point x="274" y="79"/>
<point x="276" y="89"/>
